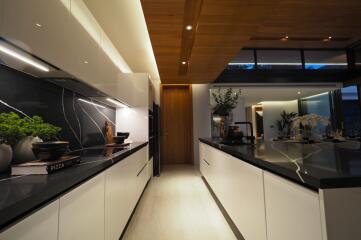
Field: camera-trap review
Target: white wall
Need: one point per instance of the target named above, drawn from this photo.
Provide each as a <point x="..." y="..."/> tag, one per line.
<point x="201" y="116"/>
<point x="134" y="121"/>
<point x="271" y="113"/>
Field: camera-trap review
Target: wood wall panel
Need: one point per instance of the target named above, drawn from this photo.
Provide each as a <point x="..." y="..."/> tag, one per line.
<point x="176" y="124"/>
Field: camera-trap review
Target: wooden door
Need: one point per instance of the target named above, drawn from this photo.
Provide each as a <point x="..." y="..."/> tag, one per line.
<point x="176" y="124"/>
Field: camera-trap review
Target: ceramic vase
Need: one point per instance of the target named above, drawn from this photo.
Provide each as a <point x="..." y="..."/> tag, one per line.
<point x="6" y="155"/>
<point x="23" y="150"/>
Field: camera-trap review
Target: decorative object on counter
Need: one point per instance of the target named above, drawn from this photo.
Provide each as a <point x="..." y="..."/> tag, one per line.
<point x="306" y="126"/>
<point x="6" y="155"/>
<point x="109" y="132"/>
<point x="41" y="167"/>
<point x="284" y="124"/>
<point x="22" y="132"/>
<point x="119" y="139"/>
<point x="50" y="150"/>
<point x="222" y="108"/>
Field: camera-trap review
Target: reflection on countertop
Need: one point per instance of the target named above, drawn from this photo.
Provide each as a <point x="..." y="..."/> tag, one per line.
<point x="319" y="165"/>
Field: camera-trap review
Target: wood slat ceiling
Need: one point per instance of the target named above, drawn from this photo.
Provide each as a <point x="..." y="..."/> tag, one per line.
<point x="226" y="26"/>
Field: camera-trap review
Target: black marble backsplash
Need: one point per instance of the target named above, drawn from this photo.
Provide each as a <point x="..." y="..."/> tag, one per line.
<point x="82" y="123"/>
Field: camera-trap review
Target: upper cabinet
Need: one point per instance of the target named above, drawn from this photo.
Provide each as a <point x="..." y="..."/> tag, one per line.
<point x="39" y="27"/>
<point x="65" y="34"/>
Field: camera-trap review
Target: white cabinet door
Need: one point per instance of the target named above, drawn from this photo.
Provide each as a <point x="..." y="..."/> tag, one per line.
<point x="242" y="196"/>
<point x="292" y="211"/>
<point x="42" y="225"/>
<point x="118" y="197"/>
<point x="81" y="213"/>
<point x="39" y="27"/>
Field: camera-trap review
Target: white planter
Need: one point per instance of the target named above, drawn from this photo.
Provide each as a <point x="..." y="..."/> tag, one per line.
<point x="23" y="150"/>
<point x="6" y="155"/>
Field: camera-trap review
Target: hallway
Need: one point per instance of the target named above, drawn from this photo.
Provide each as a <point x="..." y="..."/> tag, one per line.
<point x="178" y="205"/>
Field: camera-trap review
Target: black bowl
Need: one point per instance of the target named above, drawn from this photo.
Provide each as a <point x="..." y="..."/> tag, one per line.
<point x="123" y="134"/>
<point x="52" y="144"/>
<point x="119" y="139"/>
<point x="49" y="153"/>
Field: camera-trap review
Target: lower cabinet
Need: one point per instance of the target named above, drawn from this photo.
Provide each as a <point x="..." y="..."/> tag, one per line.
<point x="81" y="214"/>
<point x="124" y="183"/>
<point x="239" y="187"/>
<point x="43" y="224"/>
<point x="97" y="209"/>
<point x="293" y="212"/>
<point x="262" y="205"/>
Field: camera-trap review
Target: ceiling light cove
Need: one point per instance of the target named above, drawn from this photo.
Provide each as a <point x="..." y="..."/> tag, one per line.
<point x="22" y="56"/>
<point x="91" y="103"/>
<point x="119" y="104"/>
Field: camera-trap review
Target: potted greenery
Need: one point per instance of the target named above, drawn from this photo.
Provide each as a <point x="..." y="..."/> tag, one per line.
<point x="20" y="133"/>
<point x="10" y="134"/>
<point x="222" y="108"/>
<point x="285" y="123"/>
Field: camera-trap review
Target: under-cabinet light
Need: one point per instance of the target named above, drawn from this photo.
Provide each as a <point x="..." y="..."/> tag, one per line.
<point x="92" y="103"/>
<point x="117" y="103"/>
<point x="23" y="58"/>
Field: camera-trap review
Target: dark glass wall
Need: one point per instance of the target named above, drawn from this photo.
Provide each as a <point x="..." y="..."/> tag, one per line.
<point x="82" y="123"/>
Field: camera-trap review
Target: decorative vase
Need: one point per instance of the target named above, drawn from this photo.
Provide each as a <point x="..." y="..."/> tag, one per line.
<point x="6" y="155"/>
<point x="23" y="150"/>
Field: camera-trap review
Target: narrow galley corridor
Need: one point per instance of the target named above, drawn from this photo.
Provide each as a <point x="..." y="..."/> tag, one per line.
<point x="178" y="205"/>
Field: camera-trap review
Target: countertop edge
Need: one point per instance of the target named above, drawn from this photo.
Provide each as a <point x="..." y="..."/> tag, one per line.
<point x="9" y="222"/>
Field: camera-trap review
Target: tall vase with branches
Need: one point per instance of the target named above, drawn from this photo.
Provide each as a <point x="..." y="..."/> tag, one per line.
<point x="224" y="103"/>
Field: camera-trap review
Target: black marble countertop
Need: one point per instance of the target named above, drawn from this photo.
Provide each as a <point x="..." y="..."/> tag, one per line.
<point x="21" y="195"/>
<point x="316" y="166"/>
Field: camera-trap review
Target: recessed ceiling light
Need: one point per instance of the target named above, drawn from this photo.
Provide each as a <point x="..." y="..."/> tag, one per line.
<point x="38" y="25"/>
<point x="329" y="37"/>
<point x="284" y="38"/>
<point x="86" y="62"/>
<point x="184" y="62"/>
<point x="189" y="27"/>
<point x="298" y="92"/>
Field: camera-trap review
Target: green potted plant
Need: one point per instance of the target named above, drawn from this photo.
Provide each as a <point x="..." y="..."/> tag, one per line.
<point x="222" y="108"/>
<point x="10" y="134"/>
<point x="35" y="130"/>
<point x="285" y="123"/>
<point x="20" y="133"/>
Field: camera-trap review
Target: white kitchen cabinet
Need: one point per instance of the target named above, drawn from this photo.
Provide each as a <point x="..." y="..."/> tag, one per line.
<point x="48" y="40"/>
<point x="81" y="214"/>
<point x="239" y="187"/>
<point x="242" y="196"/>
<point x="42" y="225"/>
<point x="124" y="183"/>
<point x="292" y="211"/>
<point x="119" y="197"/>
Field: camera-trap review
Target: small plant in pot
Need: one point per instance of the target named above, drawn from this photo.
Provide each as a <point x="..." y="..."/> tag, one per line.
<point x="21" y="133"/>
<point x="10" y="134"/>
<point x="284" y="125"/>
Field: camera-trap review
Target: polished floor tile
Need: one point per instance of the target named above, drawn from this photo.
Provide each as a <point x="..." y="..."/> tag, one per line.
<point x="178" y="205"/>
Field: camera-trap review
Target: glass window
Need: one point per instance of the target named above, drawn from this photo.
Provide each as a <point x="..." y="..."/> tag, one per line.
<point x="351" y="111"/>
<point x="279" y="59"/>
<point x="243" y="60"/>
<point x="334" y="59"/>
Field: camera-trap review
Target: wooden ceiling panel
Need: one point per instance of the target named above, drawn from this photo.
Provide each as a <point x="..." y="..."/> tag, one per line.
<point x="226" y="26"/>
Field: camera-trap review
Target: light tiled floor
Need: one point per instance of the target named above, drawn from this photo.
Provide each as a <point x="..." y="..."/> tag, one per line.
<point x="178" y="205"/>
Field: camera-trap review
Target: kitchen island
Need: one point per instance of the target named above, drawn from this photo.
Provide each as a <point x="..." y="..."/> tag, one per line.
<point x="102" y="190"/>
<point x="283" y="190"/>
